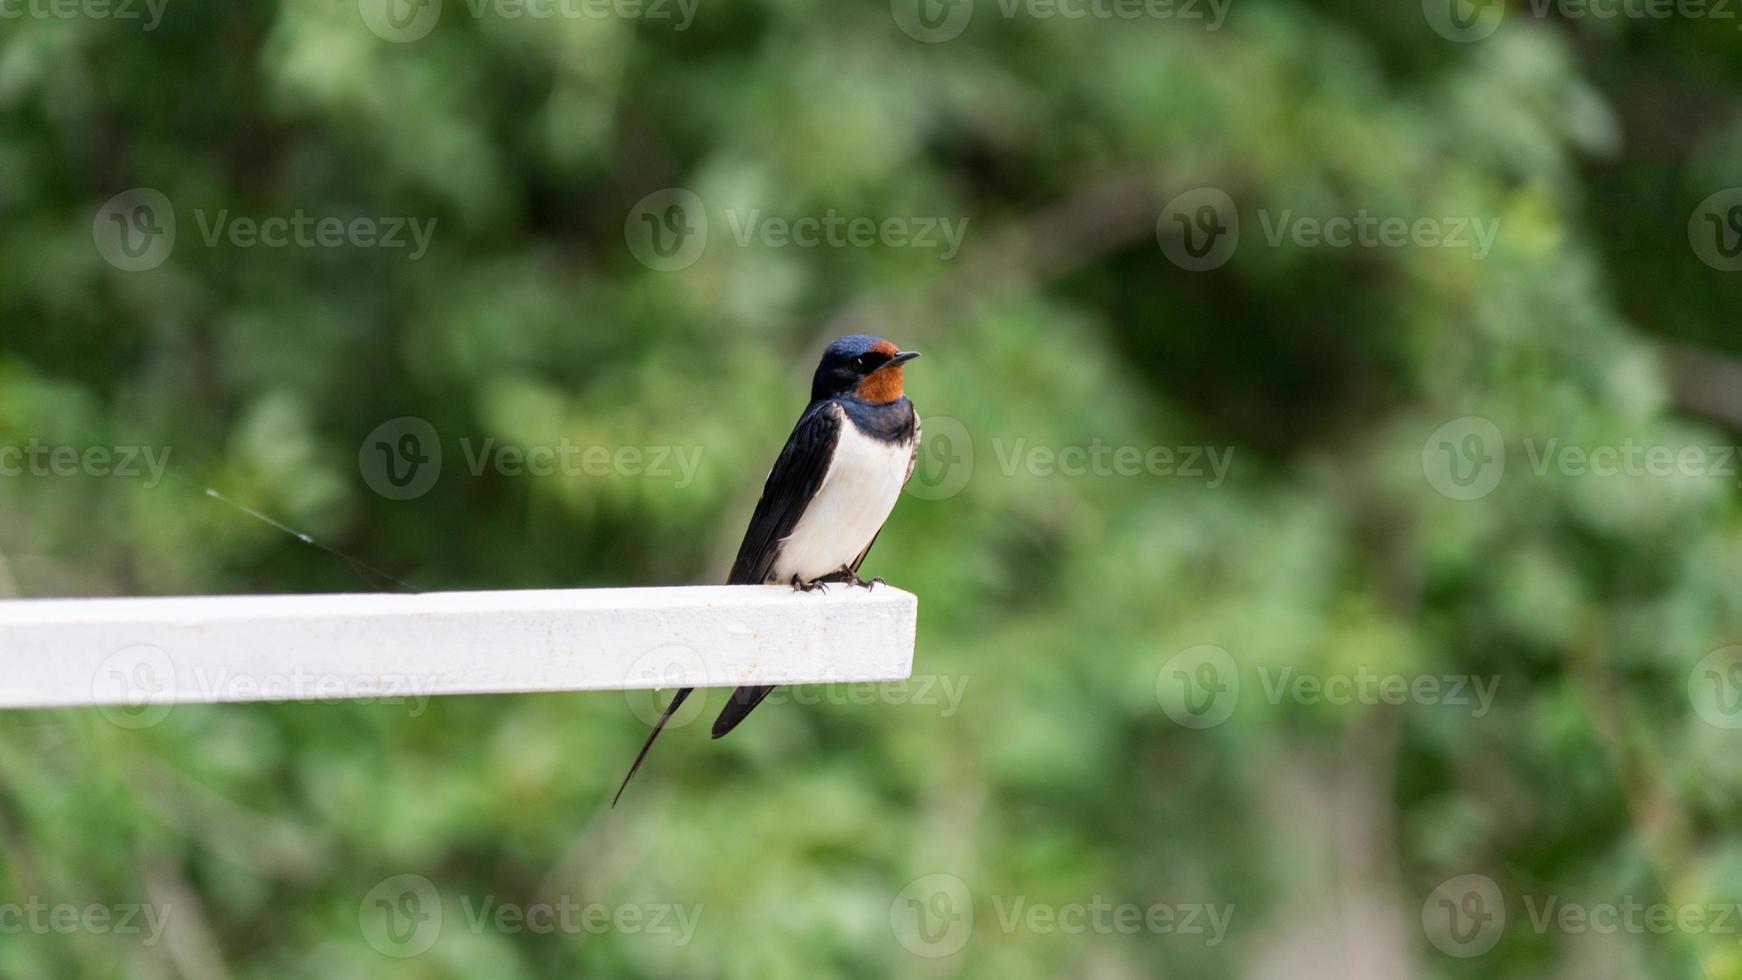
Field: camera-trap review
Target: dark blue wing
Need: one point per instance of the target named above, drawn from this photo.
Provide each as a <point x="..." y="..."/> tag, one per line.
<point x="791" y="483"/>
<point x="796" y="475"/>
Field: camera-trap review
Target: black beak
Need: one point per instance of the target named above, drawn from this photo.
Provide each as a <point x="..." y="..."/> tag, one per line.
<point x="900" y="357"/>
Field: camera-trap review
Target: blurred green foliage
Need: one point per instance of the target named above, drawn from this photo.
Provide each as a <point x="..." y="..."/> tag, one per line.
<point x="1053" y="602"/>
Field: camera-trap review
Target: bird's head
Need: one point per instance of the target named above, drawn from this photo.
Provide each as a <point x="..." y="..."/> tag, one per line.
<point x="868" y="368"/>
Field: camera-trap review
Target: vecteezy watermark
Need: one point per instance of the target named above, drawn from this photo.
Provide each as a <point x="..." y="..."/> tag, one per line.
<point x="36" y="458"/>
<point x="1465" y="459"/>
<point x="1715" y="230"/>
<point x="1102" y="917"/>
<point x="135" y="230"/>
<point x="403" y="21"/>
<point x="37" y="917"/>
<point x="1199" y="687"/>
<point x="1715" y="688"/>
<point x="933" y="21"/>
<point x="401" y="459"/>
<point x="1102" y="459"/>
<point x="1466" y="916"/>
<point x="1364" y="230"/>
<point x="1630" y="916"/>
<point x="138" y="685"/>
<point x="668" y="230"/>
<point x="1473" y="20"/>
<point x="945" y="461"/>
<point x="1476" y="20"/>
<point x="134" y="687"/>
<point x="150" y="11"/>
<point x="320" y="687"/>
<point x="655" y="676"/>
<point x="947" y="450"/>
<point x="574" y="459"/>
<point x="941" y="691"/>
<point x="302" y="230"/>
<point x="1199" y="230"/>
<point x="933" y="916"/>
<point x="1463" y="21"/>
<point x="567" y="916"/>
<point x="402" y="917"/>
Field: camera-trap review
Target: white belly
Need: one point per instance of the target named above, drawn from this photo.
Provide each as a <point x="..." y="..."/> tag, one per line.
<point x="861" y="488"/>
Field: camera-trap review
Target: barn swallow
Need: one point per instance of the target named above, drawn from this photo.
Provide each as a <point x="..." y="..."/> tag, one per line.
<point x="829" y="492"/>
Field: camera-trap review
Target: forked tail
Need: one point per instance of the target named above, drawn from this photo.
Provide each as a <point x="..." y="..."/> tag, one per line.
<point x="670" y="709"/>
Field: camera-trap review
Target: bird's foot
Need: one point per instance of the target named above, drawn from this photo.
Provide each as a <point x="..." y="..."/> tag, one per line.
<point x="848" y="575"/>
<point x="800" y="585"/>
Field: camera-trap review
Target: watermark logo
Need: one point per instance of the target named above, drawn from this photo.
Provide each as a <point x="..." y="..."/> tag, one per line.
<point x="1715" y="230"/>
<point x="933" y="916"/>
<point x="134" y="687"/>
<point x="401" y="916"/>
<point x="668" y="229"/>
<point x="1199" y="687"/>
<point x="1465" y="458"/>
<point x="945" y="462"/>
<point x="1464" y="916"/>
<point x="1715" y="688"/>
<point x="654" y="677"/>
<point x="134" y="231"/>
<point x="400" y="21"/>
<point x="932" y="21"/>
<point x="946" y="459"/>
<point x="137" y="687"/>
<point x="400" y="459"/>
<point x="1199" y="230"/>
<point x="1463" y="21"/>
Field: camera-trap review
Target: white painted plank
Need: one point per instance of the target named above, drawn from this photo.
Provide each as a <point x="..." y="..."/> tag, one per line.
<point x="143" y="652"/>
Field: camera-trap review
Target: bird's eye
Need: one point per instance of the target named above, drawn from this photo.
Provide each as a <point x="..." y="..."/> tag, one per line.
<point x="857" y="364"/>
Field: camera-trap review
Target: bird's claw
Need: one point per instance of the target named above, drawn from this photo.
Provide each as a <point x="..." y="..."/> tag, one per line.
<point x="850" y="576"/>
<point x="844" y="575"/>
<point x="800" y="585"/>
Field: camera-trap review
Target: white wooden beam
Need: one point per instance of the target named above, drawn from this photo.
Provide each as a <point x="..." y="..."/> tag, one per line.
<point x="143" y="652"/>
